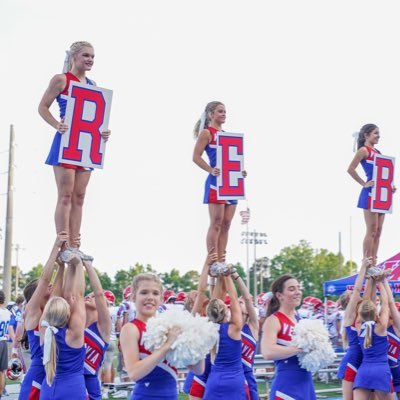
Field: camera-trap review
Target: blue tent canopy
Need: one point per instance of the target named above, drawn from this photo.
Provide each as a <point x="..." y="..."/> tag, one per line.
<point x="339" y="286"/>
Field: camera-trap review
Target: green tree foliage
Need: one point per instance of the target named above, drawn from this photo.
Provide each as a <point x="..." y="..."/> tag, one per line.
<point x="310" y="266"/>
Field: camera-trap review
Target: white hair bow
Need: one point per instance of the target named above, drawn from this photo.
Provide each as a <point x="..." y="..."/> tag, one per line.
<point x="203" y="118"/>
<point x="364" y="327"/>
<point x="355" y="136"/>
<point x="66" y="61"/>
<point x="50" y="331"/>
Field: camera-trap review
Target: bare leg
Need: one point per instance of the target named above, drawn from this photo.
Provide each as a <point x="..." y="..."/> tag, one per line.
<point x="226" y="224"/>
<point x="78" y="196"/>
<point x="347" y="389"/>
<point x="216" y="212"/>
<point x="361" y="394"/>
<point x="371" y="222"/>
<point x="381" y="219"/>
<point x="65" y="179"/>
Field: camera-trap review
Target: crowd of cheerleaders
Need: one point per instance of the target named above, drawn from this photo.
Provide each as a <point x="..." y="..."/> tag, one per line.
<point x="60" y="323"/>
<point x="71" y="336"/>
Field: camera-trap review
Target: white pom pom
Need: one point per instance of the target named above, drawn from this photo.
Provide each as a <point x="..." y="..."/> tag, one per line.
<point x="312" y="336"/>
<point x="198" y="336"/>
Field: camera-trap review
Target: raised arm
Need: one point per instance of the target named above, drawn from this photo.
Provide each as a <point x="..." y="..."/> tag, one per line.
<point x="74" y="287"/>
<point x="33" y="308"/>
<point x="236" y="321"/>
<point x="392" y="306"/>
<point x="59" y="279"/>
<point x="350" y="312"/>
<point x="104" y="321"/>
<point x="247" y="297"/>
<point x="384" y="310"/>
<point x="202" y="286"/>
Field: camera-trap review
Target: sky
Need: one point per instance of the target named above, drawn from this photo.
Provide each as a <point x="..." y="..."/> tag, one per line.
<point x="297" y="79"/>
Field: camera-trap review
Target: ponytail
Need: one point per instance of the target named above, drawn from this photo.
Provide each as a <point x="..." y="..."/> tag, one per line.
<point x="368" y="337"/>
<point x="51" y="366"/>
<point x="204" y="119"/>
<point x="364" y="131"/>
<point x="273" y="306"/>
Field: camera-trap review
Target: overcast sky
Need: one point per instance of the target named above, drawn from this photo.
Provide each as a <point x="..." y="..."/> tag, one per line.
<point x="297" y="78"/>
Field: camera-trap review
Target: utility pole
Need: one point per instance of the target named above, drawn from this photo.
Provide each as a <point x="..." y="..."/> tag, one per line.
<point x="9" y="220"/>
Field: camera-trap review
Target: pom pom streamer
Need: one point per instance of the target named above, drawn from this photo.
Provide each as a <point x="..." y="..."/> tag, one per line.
<point x="198" y="336"/>
<point x="312" y="337"/>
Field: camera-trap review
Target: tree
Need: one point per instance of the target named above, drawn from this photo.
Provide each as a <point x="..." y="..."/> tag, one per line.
<point x="310" y="266"/>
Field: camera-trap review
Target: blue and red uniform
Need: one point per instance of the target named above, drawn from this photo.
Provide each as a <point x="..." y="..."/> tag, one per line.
<point x="352" y="359"/>
<point x="374" y="372"/>
<point x="210" y="190"/>
<point x="290" y="379"/>
<point x="95" y="349"/>
<point x="68" y="381"/>
<point x="249" y="345"/>
<point x="393" y="357"/>
<point x="226" y="380"/>
<point x="364" y="201"/>
<point x="30" y="386"/>
<point x="161" y="382"/>
<point x="52" y="158"/>
<point x="195" y="385"/>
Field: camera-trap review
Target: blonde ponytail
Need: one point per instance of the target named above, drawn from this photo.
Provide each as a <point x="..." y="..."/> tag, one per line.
<point x="51" y="366"/>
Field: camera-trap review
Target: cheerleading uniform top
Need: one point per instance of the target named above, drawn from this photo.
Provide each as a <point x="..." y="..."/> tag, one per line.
<point x="393" y="357"/>
<point x="95" y="349"/>
<point x="34" y="346"/>
<point x="226" y="380"/>
<point x="249" y="345"/>
<point x="352" y="359"/>
<point x="394" y="347"/>
<point x="210" y="190"/>
<point x="62" y="99"/>
<point x="161" y="382"/>
<point x="374" y="371"/>
<point x="69" y="372"/>
<point x="30" y="386"/>
<point x="364" y="200"/>
<point x="288" y="369"/>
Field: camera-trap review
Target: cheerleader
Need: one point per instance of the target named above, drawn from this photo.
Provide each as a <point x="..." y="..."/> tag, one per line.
<point x="276" y="342"/>
<point x="368" y="137"/>
<point x="97" y="332"/>
<point x="71" y="180"/>
<point x="37" y="293"/>
<point x="226" y="379"/>
<point x="221" y="211"/>
<point x="352" y="360"/>
<point x="249" y="335"/>
<point x="195" y="384"/>
<point x="373" y="374"/>
<point x="154" y="377"/>
<point x="394" y="339"/>
<point x="62" y="337"/>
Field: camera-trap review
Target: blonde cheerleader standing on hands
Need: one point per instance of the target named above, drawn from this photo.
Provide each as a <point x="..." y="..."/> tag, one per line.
<point x="221" y="211"/>
<point x="71" y="180"/>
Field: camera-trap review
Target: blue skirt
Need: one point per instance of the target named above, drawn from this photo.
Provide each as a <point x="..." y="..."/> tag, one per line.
<point x="374" y="376"/>
<point x="291" y="383"/>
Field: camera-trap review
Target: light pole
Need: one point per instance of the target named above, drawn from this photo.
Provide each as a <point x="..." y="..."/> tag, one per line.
<point x="17" y="248"/>
<point x="254" y="238"/>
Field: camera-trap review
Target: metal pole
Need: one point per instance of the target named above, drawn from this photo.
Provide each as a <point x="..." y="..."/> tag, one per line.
<point x="17" y="249"/>
<point x="247" y="256"/>
<point x="255" y="267"/>
<point x="9" y="220"/>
